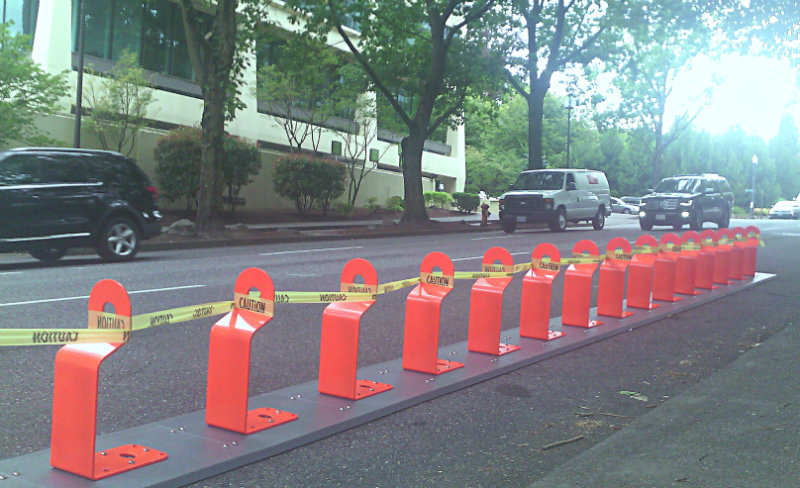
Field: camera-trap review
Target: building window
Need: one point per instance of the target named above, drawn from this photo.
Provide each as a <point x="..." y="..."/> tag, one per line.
<point x="153" y="29"/>
<point x="22" y="15"/>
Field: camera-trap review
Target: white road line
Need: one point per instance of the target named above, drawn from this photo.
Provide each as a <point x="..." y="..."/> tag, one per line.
<point x="6" y="273"/>
<point x="493" y="237"/>
<point x="310" y="250"/>
<point x="64" y="299"/>
<point x="481" y="257"/>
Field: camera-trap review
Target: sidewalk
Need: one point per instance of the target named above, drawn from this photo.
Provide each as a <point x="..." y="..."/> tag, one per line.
<point x="739" y="428"/>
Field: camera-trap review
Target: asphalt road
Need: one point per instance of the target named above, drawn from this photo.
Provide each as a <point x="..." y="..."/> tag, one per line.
<point x="488" y="435"/>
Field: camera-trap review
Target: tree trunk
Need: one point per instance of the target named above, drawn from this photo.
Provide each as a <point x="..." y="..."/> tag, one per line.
<point x="535" y="101"/>
<point x="212" y="141"/>
<point x="413" y="202"/>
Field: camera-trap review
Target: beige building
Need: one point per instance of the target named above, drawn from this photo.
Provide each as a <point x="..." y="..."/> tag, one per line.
<point x="154" y="30"/>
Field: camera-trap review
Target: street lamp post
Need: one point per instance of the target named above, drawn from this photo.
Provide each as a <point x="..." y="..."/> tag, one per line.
<point x="76" y="135"/>
<point x="753" y="188"/>
<point x="569" y="108"/>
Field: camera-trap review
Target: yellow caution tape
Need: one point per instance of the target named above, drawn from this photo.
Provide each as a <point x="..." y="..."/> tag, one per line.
<point x="322" y="297"/>
<point x="396" y="285"/>
<point x="753" y="235"/>
<point x="474" y="275"/>
<point x="182" y="314"/>
<point x="46" y="337"/>
<point x="645" y="249"/>
<point x="691" y="246"/>
<point x="522" y="267"/>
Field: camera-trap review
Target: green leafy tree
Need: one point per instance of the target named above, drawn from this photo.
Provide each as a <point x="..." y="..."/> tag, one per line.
<point x="26" y="91"/>
<point x="242" y="163"/>
<point x="423" y="57"/>
<point x="218" y="51"/>
<point x="118" y="104"/>
<point x="784" y="150"/>
<point x="664" y="39"/>
<point x="556" y="35"/>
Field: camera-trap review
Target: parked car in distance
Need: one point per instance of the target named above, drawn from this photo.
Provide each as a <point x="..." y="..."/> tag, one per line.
<point x="556" y="196"/>
<point x="787" y="209"/>
<point x="687" y="199"/>
<point x="635" y="201"/>
<point x="54" y="199"/>
<point x="618" y="206"/>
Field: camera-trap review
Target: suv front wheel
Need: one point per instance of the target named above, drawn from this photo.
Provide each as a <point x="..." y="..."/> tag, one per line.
<point x="119" y="240"/>
<point x="725" y="221"/>
<point x="48" y="255"/>
<point x="697" y="220"/>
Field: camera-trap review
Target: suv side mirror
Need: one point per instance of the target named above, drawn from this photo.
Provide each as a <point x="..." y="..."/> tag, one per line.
<point x="570" y="185"/>
<point x="650" y="190"/>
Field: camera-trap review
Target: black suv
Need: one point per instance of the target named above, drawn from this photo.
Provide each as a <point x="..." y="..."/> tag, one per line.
<point x="53" y="199"/>
<point x="687" y="199"/>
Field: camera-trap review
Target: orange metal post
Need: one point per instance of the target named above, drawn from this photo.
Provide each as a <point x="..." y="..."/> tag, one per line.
<point x="77" y="366"/>
<point x="338" y="352"/>
<point x="486" y="305"/>
<point x="664" y="268"/>
<point x="537" y="286"/>
<point x="229" y="358"/>
<point x="611" y="283"/>
<point x="686" y="266"/>
<point x="704" y="274"/>
<point x="640" y="274"/>
<point x="751" y="251"/>
<point x="578" y="287"/>
<point x="423" y="308"/>
<point x="722" y="258"/>
<point x="737" y="252"/>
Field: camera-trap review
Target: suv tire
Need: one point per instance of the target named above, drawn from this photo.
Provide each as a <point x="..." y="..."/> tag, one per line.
<point x="559" y="223"/>
<point x="48" y="255"/>
<point x="119" y="240"/>
<point x="725" y="221"/>
<point x="509" y="225"/>
<point x="599" y="220"/>
<point x="696" y="223"/>
<point x="645" y="225"/>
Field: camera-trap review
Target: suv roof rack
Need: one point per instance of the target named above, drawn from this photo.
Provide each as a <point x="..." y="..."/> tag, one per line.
<point x="695" y="174"/>
<point x="64" y="149"/>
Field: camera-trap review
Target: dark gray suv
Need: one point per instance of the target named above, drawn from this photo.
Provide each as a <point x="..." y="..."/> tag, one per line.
<point x="687" y="199"/>
<point x="54" y="199"/>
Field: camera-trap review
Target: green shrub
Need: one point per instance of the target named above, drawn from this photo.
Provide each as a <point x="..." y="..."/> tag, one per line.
<point x="738" y="211"/>
<point x="343" y="208"/>
<point x="395" y="204"/>
<point x="373" y="205"/>
<point x="466" y="202"/>
<point x="178" y="156"/>
<point x="308" y="181"/>
<point x="438" y="198"/>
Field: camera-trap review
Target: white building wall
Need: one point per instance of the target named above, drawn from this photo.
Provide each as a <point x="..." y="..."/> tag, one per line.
<point x="52" y="50"/>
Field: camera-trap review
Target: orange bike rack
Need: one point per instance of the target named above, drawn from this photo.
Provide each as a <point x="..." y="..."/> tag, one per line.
<point x="640" y="274"/>
<point x="686" y="266"/>
<point x="77" y="367"/>
<point x="737" y="252"/>
<point x="486" y="305"/>
<point x="664" y="268"/>
<point x="611" y="284"/>
<point x="338" y="351"/>
<point x="722" y="258"/>
<point x="751" y="251"/>
<point x="537" y="286"/>
<point x="229" y="358"/>
<point x="423" y="310"/>
<point x="704" y="273"/>
<point x="578" y="287"/>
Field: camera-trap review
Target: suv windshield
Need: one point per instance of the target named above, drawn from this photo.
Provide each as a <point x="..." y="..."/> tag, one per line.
<point x="539" y="180"/>
<point x="679" y="185"/>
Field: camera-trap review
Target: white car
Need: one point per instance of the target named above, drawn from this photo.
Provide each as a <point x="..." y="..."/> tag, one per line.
<point x="787" y="209"/>
<point x="618" y="206"/>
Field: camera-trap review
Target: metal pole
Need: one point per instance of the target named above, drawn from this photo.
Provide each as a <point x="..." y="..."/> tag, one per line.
<point x="569" y="119"/>
<point x="79" y="94"/>
<point x="753" y="188"/>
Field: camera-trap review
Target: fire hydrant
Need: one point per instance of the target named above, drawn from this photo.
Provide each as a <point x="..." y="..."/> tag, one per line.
<point x="485" y="214"/>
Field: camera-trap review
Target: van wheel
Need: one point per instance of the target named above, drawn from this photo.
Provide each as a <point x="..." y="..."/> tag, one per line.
<point x="559" y="223"/>
<point x="48" y="255"/>
<point x="599" y="220"/>
<point x="119" y="240"/>
<point x="509" y="226"/>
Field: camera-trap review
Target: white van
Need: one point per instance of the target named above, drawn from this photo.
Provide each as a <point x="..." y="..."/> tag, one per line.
<point x="556" y="196"/>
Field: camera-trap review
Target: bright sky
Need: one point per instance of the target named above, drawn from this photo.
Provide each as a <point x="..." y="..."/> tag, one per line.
<point x="753" y="92"/>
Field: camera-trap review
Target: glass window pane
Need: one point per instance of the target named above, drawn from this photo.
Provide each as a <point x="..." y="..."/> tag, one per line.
<point x="23" y="15"/>
<point x="127" y="27"/>
<point x="97" y="27"/>
<point x="181" y="63"/>
<point x="156" y="21"/>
